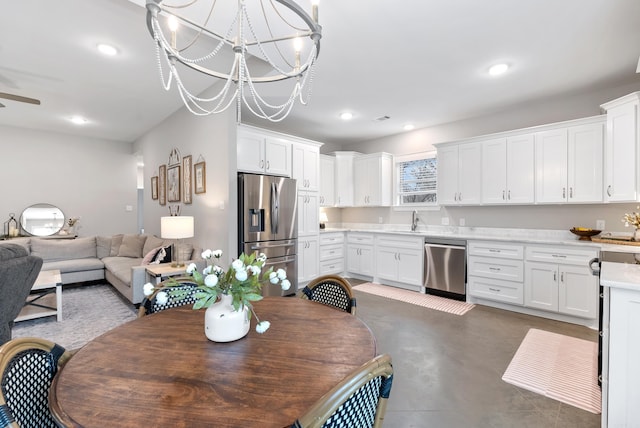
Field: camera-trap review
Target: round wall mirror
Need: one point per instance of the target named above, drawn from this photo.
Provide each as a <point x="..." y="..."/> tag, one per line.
<point x="42" y="220"/>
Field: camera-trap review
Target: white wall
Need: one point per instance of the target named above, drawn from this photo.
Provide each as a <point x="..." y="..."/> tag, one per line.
<point x="90" y="178"/>
<point x="209" y="138"/>
<point x="543" y="217"/>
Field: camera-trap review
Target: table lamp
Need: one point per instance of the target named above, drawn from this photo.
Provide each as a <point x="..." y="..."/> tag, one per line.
<point x="176" y="227"/>
<point x="323" y="220"/>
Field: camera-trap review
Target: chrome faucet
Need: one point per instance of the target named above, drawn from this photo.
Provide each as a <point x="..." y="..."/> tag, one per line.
<point x="414" y="220"/>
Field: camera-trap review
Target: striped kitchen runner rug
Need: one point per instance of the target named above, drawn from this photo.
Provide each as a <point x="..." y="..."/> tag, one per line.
<point x="560" y="367"/>
<point x="426" y="300"/>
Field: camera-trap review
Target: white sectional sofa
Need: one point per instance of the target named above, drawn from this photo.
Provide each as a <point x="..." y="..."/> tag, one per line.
<point x="120" y="259"/>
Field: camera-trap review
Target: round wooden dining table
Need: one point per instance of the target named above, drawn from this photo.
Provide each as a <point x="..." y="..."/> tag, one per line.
<point x="162" y="371"/>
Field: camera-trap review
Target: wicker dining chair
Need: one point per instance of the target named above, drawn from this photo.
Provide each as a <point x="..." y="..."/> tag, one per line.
<point x="359" y="400"/>
<point x="28" y="366"/>
<point x="150" y="304"/>
<point x="331" y="290"/>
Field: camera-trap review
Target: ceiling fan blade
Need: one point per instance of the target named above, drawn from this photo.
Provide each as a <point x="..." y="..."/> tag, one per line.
<point x="19" y="98"/>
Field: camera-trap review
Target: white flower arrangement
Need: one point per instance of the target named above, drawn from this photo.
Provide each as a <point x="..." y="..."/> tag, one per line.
<point x="243" y="280"/>
<point x="632" y="219"/>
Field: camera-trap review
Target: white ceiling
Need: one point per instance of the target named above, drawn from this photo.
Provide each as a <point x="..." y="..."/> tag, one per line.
<point x="418" y="61"/>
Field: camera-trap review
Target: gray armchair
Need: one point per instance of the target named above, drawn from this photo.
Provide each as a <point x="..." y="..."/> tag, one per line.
<point x="18" y="273"/>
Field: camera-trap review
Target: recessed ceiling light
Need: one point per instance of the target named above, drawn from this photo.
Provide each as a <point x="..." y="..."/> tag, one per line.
<point x="498" y="69"/>
<point x="346" y="115"/>
<point x="408" y="127"/>
<point x="78" y="120"/>
<point x="107" y="49"/>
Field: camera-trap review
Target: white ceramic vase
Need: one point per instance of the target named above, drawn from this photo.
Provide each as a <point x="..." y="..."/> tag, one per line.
<point x="222" y="323"/>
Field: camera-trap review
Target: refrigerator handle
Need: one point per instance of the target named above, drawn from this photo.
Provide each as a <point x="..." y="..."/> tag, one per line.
<point x="275" y="202"/>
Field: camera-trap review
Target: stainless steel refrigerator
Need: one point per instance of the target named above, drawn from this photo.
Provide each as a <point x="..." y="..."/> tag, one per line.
<point x="268" y="223"/>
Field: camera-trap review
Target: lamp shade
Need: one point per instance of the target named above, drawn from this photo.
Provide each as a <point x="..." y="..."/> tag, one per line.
<point x="323" y="218"/>
<point x="176" y="227"/>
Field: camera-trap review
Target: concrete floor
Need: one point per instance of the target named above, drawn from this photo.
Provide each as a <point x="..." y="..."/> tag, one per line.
<point x="448" y="368"/>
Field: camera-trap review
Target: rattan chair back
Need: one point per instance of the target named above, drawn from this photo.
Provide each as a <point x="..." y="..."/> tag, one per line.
<point x="331" y="290"/>
<point x="184" y="294"/>
<point x="359" y="400"/>
<point x="28" y="366"/>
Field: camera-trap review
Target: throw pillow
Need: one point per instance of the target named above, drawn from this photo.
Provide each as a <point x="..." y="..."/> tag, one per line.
<point x="163" y="255"/>
<point x="152" y="242"/>
<point x="132" y="246"/>
<point x="150" y="256"/>
<point x="116" y="240"/>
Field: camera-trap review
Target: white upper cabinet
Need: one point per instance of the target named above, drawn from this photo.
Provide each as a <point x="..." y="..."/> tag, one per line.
<point x="373" y="179"/>
<point x="459" y="174"/>
<point x="508" y="170"/>
<point x="305" y="166"/>
<point x="621" y="149"/>
<point x="344" y="178"/>
<point x="327" y="181"/>
<point x="263" y="154"/>
<point x="569" y="164"/>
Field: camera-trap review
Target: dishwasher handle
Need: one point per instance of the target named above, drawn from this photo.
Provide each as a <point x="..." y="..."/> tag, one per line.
<point x="455" y="247"/>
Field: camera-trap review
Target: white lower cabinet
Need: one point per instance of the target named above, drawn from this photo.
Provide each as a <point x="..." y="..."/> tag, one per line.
<point x="495" y="271"/>
<point x="558" y="279"/>
<point x="332" y="253"/>
<point x="307" y="259"/>
<point x="400" y="259"/>
<point x="360" y="254"/>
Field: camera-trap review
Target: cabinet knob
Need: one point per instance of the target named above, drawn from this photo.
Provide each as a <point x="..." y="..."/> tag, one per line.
<point x="571" y="192"/>
<point x="503" y="196"/>
<point x="609" y="190"/>
<point x="564" y="192"/>
<point x="268" y="167"/>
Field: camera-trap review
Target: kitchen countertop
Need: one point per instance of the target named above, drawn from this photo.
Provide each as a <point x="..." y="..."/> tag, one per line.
<point x="620" y="275"/>
<point x="527" y="236"/>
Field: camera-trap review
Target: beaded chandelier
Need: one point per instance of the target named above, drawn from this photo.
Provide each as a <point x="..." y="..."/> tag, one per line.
<point x="270" y="36"/>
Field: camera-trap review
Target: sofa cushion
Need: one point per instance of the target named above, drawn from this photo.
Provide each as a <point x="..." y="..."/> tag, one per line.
<point x="132" y="246"/>
<point x="103" y="246"/>
<point x="152" y="242"/>
<point x="76" y="265"/>
<point x="64" y="249"/>
<point x="120" y="267"/>
<point x="116" y="240"/>
<point x="23" y="242"/>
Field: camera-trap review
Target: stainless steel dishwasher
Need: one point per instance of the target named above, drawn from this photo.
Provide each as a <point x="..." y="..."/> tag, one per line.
<point x="445" y="267"/>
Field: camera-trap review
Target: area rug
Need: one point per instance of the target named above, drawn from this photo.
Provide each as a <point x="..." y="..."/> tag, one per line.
<point x="426" y="300"/>
<point x="560" y="367"/>
<point x="87" y="312"/>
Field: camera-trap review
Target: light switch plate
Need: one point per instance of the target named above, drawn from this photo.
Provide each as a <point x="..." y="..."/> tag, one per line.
<point x="600" y="224"/>
<point x="445" y="221"/>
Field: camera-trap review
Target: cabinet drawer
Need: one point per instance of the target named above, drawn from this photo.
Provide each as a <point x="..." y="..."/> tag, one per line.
<point x="490" y="267"/>
<point x="495" y="289"/>
<point x="398" y="241"/>
<point x="331" y="238"/>
<point x="360" y="238"/>
<point x="331" y="266"/>
<point x="328" y="252"/>
<point x="560" y="255"/>
<point x="496" y="249"/>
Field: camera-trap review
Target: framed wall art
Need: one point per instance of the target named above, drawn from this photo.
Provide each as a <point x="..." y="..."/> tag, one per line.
<point x="200" y="177"/>
<point x="187" y="196"/>
<point x="154" y="188"/>
<point x="173" y="183"/>
<point x="162" y="185"/>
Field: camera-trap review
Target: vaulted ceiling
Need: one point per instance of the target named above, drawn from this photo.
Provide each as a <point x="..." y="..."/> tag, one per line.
<point x="416" y="61"/>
